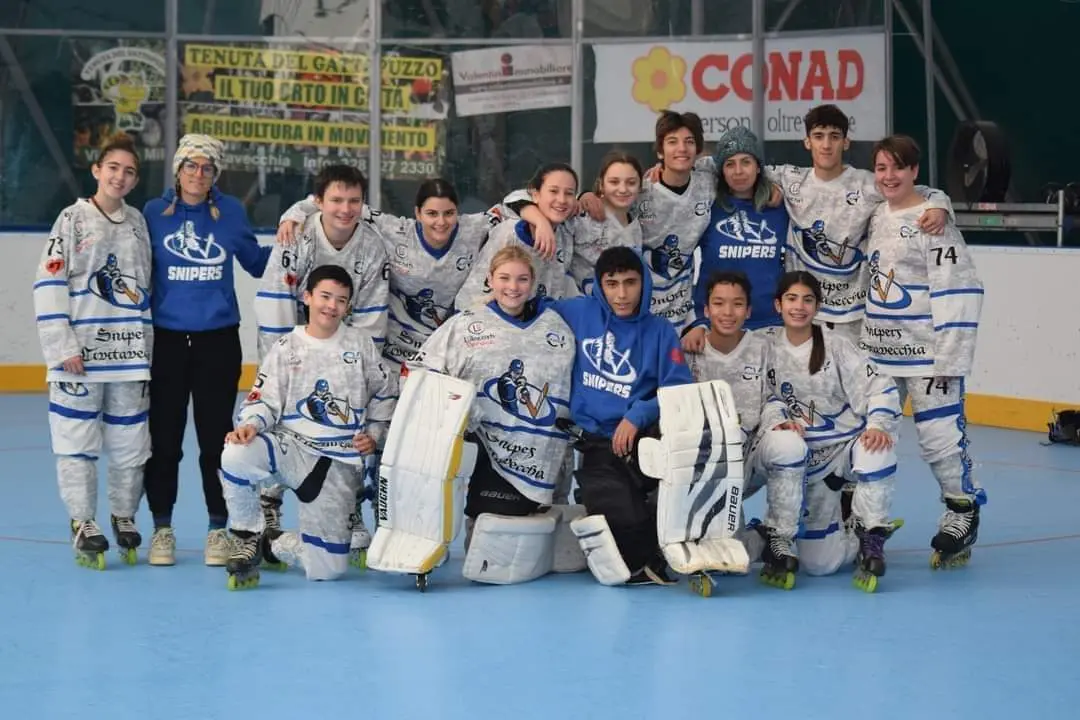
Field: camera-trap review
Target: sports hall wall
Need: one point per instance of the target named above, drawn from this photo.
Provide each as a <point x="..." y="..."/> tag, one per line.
<point x="60" y="70"/>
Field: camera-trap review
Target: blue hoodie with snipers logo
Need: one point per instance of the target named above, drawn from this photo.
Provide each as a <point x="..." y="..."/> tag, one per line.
<point x="620" y="362"/>
<point x="193" y="284"/>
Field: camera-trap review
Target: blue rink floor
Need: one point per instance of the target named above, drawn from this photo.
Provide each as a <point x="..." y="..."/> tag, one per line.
<point x="994" y="640"/>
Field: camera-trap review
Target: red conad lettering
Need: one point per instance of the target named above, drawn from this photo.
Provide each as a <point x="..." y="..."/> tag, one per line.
<point x="784" y="76"/>
<point x="817" y="78"/>
<point x="850" y="86"/>
<point x="743" y="90"/>
<point x="697" y="77"/>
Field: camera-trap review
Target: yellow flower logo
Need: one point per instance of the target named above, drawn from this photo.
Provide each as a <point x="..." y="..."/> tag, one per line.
<point x="658" y="79"/>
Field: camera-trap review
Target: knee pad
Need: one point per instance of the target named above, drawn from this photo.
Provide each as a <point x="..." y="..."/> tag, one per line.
<point x="425" y="464"/>
<point x="505" y="549"/>
<point x="827" y="554"/>
<point x="247" y="464"/>
<point x="698" y="460"/>
<point x="872" y="466"/>
<point x="784" y="448"/>
<point x="321" y="561"/>
<point x="601" y="553"/>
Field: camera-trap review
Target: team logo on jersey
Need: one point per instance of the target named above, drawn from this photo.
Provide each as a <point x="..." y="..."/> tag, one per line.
<point x="184" y="243"/>
<point x="556" y="340"/>
<point x="885" y="292"/>
<point x="325" y="408"/>
<point x="667" y="261"/>
<point x="464" y="262"/>
<point x="852" y="197"/>
<point x="740" y="228"/>
<point x="520" y="398"/>
<point x="422" y="309"/>
<point x="608" y="360"/>
<point x="110" y="284"/>
<point x="74" y="389"/>
<point x="828" y="255"/>
<point x="805" y="413"/>
<point x="907" y="232"/>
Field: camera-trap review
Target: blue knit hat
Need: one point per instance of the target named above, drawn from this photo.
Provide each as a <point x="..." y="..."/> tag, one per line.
<point x="737" y="140"/>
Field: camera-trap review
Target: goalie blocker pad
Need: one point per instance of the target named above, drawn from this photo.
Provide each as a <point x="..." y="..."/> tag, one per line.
<point x="506" y="549"/>
<point x="698" y="461"/>
<point x="425" y="464"/>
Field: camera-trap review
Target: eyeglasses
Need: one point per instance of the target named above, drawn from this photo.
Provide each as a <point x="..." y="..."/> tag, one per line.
<point x="190" y="168"/>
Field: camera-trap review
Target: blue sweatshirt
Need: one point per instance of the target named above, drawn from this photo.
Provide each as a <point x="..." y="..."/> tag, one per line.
<point x="748" y="241"/>
<point x="193" y="285"/>
<point x="620" y="362"/>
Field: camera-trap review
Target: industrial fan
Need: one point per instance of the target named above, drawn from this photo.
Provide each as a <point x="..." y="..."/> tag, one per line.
<point x="979" y="169"/>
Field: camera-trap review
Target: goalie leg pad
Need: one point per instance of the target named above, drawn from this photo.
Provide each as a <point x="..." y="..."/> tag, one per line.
<point x="602" y="554"/>
<point x="507" y="549"/>
<point x="699" y="462"/>
<point x="425" y="464"/>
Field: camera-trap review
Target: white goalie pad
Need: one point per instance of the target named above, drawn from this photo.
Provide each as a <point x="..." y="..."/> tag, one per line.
<point x="506" y="550"/>
<point x="602" y="554"/>
<point x="698" y="461"/>
<point x="425" y="465"/>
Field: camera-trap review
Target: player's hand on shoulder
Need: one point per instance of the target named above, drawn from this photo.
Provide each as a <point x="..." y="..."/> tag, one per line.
<point x="243" y="435"/>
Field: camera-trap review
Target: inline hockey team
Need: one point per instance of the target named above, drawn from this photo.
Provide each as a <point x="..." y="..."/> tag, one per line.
<point x="580" y="380"/>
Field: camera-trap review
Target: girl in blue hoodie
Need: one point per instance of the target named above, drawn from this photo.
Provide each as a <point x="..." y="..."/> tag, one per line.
<point x="624" y="355"/>
<point x="195" y="232"/>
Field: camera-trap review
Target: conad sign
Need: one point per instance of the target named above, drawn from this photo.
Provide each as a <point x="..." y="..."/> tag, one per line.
<point x="715" y="80"/>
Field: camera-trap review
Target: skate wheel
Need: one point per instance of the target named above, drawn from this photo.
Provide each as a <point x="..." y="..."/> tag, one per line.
<point x="781" y="582"/>
<point x="935" y="560"/>
<point x="701" y="584"/>
<point x="128" y="556"/>
<point x="237" y="583"/>
<point x="276" y="567"/>
<point x="866" y="582"/>
<point x="358" y="559"/>
<point x="95" y="561"/>
<point x="421" y="583"/>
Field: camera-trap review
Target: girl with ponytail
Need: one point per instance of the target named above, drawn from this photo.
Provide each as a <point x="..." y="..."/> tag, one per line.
<point x="819" y="384"/>
<point x="195" y="232"/>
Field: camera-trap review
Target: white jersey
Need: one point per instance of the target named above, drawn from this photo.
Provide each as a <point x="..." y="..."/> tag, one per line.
<point x="671" y="229"/>
<point x="92" y="295"/>
<point x="424" y="281"/>
<point x="925" y="298"/>
<point x="848" y="395"/>
<point x="279" y="303"/>
<point x="827" y="235"/>
<point x="522" y="372"/>
<point x="553" y="277"/>
<point x="323" y="392"/>
<point x="743" y="369"/>
<point x="592" y="238"/>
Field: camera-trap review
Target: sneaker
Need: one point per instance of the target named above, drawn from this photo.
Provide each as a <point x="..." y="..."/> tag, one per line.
<point x="218" y="548"/>
<point x="163" y="547"/>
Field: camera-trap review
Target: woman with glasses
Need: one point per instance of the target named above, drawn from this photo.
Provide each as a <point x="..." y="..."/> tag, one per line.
<point x="195" y="232"/>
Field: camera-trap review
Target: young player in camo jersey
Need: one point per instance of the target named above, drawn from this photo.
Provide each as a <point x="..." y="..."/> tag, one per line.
<point x="550" y="197"/>
<point x="92" y="302"/>
<point x="321" y="402"/>
<point x="773" y="457"/>
<point x="922" y="321"/>
<point x="823" y="387"/>
<point x="673" y="212"/>
<point x="430" y="257"/>
<point x="519" y="355"/>
<point x="337" y="235"/>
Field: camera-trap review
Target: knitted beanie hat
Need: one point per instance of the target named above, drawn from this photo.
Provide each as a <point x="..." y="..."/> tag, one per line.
<point x="194" y="145"/>
<point x="737" y="140"/>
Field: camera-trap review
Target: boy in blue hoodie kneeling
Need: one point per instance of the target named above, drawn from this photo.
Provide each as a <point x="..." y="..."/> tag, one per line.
<point x="624" y="355"/>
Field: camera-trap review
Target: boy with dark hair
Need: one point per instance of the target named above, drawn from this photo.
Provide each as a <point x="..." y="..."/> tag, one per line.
<point x="336" y="235"/>
<point x="624" y="355"/>
<point x="321" y="403"/>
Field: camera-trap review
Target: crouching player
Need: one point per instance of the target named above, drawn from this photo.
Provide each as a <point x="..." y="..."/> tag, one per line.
<point x="624" y="355"/>
<point x="774" y="457"/>
<point x="824" y="388"/>
<point x="321" y="403"/>
<point x="517" y="357"/>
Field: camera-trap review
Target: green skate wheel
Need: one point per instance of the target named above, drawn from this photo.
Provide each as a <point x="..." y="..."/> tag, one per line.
<point x="358" y="559"/>
<point x="237" y="583"/>
<point x="935" y="560"/>
<point x="129" y="556"/>
<point x="701" y="584"/>
<point x="781" y="582"/>
<point x="94" y="561"/>
<point x="275" y="567"/>
<point x="867" y="582"/>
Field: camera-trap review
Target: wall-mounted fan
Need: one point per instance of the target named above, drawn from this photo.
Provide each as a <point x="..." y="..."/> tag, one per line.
<point x="979" y="169"/>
